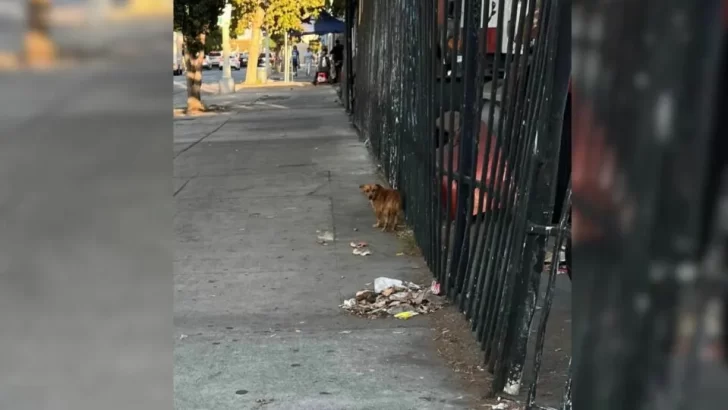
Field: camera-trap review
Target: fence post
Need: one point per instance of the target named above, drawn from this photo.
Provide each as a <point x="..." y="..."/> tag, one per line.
<point x="471" y="106"/>
<point x="346" y="87"/>
<point x="539" y="212"/>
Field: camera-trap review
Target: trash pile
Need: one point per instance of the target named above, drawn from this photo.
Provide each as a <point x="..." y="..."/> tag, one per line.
<point x="360" y="248"/>
<point x="393" y="297"/>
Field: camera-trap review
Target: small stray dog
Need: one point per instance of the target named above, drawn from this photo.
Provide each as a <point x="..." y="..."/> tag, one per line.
<point x="387" y="205"/>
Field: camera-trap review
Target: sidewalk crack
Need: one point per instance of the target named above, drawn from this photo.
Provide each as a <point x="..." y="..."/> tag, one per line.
<point x="187" y="148"/>
<point x="182" y="187"/>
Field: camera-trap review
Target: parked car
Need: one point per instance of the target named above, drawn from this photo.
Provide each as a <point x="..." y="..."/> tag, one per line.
<point x="244" y="59"/>
<point x="234" y="62"/>
<point x="215" y="58"/>
<point x="206" y="65"/>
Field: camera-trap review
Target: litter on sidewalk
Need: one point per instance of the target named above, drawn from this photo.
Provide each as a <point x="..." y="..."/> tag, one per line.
<point x="393" y="297"/>
<point x="325" y="237"/>
<point x="505" y="404"/>
<point x="406" y="315"/>
<point x="360" y="248"/>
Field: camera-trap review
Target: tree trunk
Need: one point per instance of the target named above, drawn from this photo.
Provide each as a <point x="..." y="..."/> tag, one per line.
<point x="251" y="73"/>
<point x="39" y="48"/>
<point x="194" y="78"/>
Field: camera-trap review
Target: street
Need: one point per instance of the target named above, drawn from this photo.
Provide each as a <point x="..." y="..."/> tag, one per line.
<point x="211" y="79"/>
<point x="210" y="85"/>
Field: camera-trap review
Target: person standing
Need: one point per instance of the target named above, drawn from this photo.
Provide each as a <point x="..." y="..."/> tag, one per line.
<point x="337" y="54"/>
<point x="323" y="66"/>
<point x="308" y="59"/>
<point x="295" y="60"/>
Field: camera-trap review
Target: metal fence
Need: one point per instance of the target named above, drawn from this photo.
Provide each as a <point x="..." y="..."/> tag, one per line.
<point x="462" y="103"/>
<point x="650" y="205"/>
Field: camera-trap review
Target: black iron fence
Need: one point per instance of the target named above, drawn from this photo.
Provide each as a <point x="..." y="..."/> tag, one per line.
<point x="462" y="103"/>
<point x="650" y="205"/>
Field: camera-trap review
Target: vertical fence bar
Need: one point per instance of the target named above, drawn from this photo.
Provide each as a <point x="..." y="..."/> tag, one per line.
<point x="518" y="187"/>
<point x="504" y="176"/>
<point x="642" y="286"/>
<point x="403" y="94"/>
<point x="485" y="291"/>
<point x="566" y="403"/>
<point x="442" y="216"/>
<point x="348" y="69"/>
<point x="475" y="267"/>
<point x="469" y="136"/>
<point x="563" y="231"/>
<point x="541" y="204"/>
<point x="452" y="137"/>
<point x="429" y="10"/>
<point x="513" y="227"/>
<point x="426" y="131"/>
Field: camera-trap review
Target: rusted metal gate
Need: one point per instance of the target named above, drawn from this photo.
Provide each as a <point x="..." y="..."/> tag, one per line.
<point x="462" y="103"/>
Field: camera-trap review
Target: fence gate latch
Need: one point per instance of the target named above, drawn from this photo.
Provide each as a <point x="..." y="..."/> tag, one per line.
<point x="546" y="230"/>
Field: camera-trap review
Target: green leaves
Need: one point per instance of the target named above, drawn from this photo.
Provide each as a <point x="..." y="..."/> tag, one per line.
<point x="196" y="18"/>
<point x="285" y="15"/>
<point x="280" y="15"/>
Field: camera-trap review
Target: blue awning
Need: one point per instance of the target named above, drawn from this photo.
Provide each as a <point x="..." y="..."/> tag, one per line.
<point x="324" y="24"/>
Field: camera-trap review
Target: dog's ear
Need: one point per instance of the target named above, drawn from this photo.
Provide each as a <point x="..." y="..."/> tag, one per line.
<point x="379" y="186"/>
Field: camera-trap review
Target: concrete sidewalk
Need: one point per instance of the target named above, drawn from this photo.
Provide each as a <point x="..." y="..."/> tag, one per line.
<point x="257" y="316"/>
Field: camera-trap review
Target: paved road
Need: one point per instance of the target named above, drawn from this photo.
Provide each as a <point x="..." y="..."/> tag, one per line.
<point x="214" y="75"/>
<point x="210" y="80"/>
<point x="257" y="299"/>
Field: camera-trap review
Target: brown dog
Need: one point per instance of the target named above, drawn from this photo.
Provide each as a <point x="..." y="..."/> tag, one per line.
<point x="387" y="205"/>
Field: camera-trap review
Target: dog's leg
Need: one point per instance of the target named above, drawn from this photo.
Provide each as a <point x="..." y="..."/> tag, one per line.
<point x="395" y="221"/>
<point x="379" y="219"/>
<point x="388" y="223"/>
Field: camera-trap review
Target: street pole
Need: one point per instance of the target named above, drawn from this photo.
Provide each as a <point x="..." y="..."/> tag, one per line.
<point x="286" y="60"/>
<point x="267" y="54"/>
<point x="227" y="84"/>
